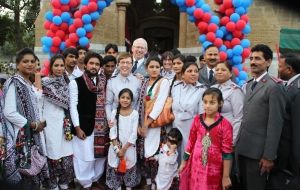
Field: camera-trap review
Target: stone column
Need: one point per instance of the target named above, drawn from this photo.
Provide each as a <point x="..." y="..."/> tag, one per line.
<point x="121" y="7"/>
<point x="182" y="30"/>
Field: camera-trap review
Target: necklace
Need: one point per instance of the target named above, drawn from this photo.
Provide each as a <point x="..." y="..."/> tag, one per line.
<point x="206" y="140"/>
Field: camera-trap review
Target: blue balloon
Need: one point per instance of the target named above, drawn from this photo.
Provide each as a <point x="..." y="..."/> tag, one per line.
<point x="237" y="50"/>
<point x="235" y="17"/>
<point x="224" y="30"/>
<point x="180" y="3"/>
<point x="83" y="41"/>
<point x="215" y="19"/>
<point x="190" y="10"/>
<point x="240" y="10"/>
<point x="246" y="3"/>
<point x="205" y="8"/>
<point x="65" y="17"/>
<point x="223" y="48"/>
<point x="101" y="4"/>
<point x="241" y="82"/>
<point x="62" y="46"/>
<point x="71" y="21"/>
<point x="247" y="29"/>
<point x="95" y="15"/>
<point x="245" y="43"/>
<point x="199" y="3"/>
<point x="191" y="18"/>
<point x="243" y="75"/>
<point x="182" y="9"/>
<point x="86" y="19"/>
<point x="237" y="3"/>
<point x="219" y="33"/>
<point x="202" y="38"/>
<point x="57" y="20"/>
<point x="64" y="2"/>
<point x="88" y="27"/>
<point x="205" y="44"/>
<point x="229" y="53"/>
<point x="46" y="49"/>
<point x="173" y="2"/>
<point x="84" y="2"/>
<point x="237" y="80"/>
<point x="228" y="36"/>
<point x="239" y="67"/>
<point x="237" y="59"/>
<point x="80" y="32"/>
<point x="49" y="15"/>
<point x="47" y="41"/>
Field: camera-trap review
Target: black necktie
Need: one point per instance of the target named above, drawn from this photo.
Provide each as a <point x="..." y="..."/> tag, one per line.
<point x="211" y="75"/>
<point x="134" y="66"/>
<point x="253" y="85"/>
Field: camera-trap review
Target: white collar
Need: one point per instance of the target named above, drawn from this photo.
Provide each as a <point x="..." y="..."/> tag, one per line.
<point x="292" y="79"/>
<point x="260" y="77"/>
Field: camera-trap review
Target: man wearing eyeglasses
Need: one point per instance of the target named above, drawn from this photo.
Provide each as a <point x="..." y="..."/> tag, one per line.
<point x="139" y="50"/>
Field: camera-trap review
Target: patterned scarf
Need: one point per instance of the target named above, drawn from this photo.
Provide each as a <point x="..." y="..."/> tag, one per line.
<point x="101" y="130"/>
<point x="56" y="91"/>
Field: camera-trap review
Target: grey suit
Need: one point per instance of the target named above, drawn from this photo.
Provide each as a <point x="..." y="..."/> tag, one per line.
<point x="141" y="69"/>
<point x="203" y="77"/>
<point x="263" y="116"/>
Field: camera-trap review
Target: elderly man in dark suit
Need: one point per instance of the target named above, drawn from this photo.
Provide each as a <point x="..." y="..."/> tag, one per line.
<point x="139" y="50"/>
<point x="263" y="116"/>
<point x="207" y="72"/>
<point x="289" y="149"/>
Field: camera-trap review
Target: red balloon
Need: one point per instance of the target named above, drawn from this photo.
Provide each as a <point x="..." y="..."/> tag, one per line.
<point x="218" y="42"/>
<point x="246" y="52"/>
<point x="189" y="3"/>
<point x="78" y="22"/>
<point x="73" y="3"/>
<point x="212" y="27"/>
<point x="47" y="25"/>
<point x="227" y="44"/>
<point x="224" y="20"/>
<point x="54" y="49"/>
<point x="206" y="17"/>
<point x="93" y="1"/>
<point x="66" y="37"/>
<point x="245" y="69"/>
<point x="53" y="27"/>
<point x="218" y="2"/>
<point x="56" y="12"/>
<point x="240" y="25"/>
<point x="235" y="41"/>
<point x="68" y="43"/>
<point x="77" y="14"/>
<point x="227" y="4"/>
<point x="73" y="37"/>
<point x="210" y="36"/>
<point x="72" y="28"/>
<point x="50" y="34"/>
<point x="92" y="6"/>
<point x="198" y="13"/>
<point x="56" y="4"/>
<point x="235" y="71"/>
<point x="65" y="8"/>
<point x="61" y="34"/>
<point x="230" y="26"/>
<point x="84" y="10"/>
<point x="229" y="11"/>
<point x="64" y="26"/>
<point x="245" y="18"/>
<point x="237" y="34"/>
<point x="222" y="9"/>
<point x="223" y="56"/>
<point x="56" y="41"/>
<point x="202" y="26"/>
<point x="89" y="35"/>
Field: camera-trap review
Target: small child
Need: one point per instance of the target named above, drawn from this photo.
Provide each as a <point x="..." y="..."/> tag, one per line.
<point x="167" y="160"/>
<point x="207" y="159"/>
<point x="122" y="151"/>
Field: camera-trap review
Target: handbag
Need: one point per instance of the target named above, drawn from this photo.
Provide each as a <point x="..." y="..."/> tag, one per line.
<point x="37" y="163"/>
<point x="166" y="116"/>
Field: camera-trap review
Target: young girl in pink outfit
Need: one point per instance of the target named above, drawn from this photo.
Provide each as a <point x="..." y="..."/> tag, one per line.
<point x="207" y="160"/>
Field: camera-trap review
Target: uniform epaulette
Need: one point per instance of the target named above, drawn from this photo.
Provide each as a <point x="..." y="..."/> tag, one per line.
<point x="177" y="83"/>
<point x="250" y="80"/>
<point x="276" y="80"/>
<point x="233" y="85"/>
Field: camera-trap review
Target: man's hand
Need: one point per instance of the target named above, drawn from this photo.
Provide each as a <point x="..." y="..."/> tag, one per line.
<point x="122" y="152"/>
<point x="139" y="76"/>
<point x="80" y="133"/>
<point x="143" y="131"/>
<point x="265" y="165"/>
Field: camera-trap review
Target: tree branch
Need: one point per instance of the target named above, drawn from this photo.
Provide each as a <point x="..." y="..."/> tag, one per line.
<point x="5" y="5"/>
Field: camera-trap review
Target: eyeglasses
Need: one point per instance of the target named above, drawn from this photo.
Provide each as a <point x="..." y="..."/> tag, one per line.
<point x="125" y="62"/>
<point x="139" y="47"/>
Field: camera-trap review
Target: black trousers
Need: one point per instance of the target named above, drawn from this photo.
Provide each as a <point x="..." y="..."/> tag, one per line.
<point x="250" y="174"/>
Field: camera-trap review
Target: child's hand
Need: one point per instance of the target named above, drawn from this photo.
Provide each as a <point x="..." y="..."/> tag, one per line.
<point x="121" y="153"/>
<point x="143" y="131"/>
<point x="182" y="166"/>
<point x="110" y="124"/>
<point x="226" y="182"/>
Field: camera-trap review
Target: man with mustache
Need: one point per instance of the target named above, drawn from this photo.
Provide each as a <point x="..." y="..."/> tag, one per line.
<point x="206" y="73"/>
<point x="87" y="101"/>
<point x="71" y="56"/>
<point x="262" y="122"/>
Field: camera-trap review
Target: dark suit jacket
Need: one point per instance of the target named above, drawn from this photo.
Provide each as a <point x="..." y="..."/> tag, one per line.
<point x="203" y="78"/>
<point x="263" y="116"/>
<point x="142" y="69"/>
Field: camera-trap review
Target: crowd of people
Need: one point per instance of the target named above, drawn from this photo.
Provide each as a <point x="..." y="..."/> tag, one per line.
<point x="101" y="117"/>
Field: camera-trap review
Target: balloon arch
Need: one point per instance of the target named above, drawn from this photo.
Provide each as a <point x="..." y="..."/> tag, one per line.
<point x="71" y="22"/>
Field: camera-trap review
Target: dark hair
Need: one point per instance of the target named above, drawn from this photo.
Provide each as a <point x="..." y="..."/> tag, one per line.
<point x="68" y="51"/>
<point x="266" y="50"/>
<point x="54" y="58"/>
<point x="25" y="51"/>
<point x="125" y="90"/>
<point x="154" y="58"/>
<point x="210" y="46"/>
<point x="91" y="54"/>
<point x="109" y="58"/>
<point x="109" y="46"/>
<point x="175" y="134"/>
<point x="227" y="64"/>
<point x="187" y="65"/>
<point x="81" y="48"/>
<point x="293" y="60"/>
<point x="201" y="57"/>
<point x="181" y="57"/>
<point x="175" y="51"/>
<point x="167" y="54"/>
<point x="216" y="93"/>
<point x="191" y="58"/>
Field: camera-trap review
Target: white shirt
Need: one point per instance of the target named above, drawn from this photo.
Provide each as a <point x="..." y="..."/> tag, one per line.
<point x="140" y="62"/>
<point x="208" y="70"/>
<point x="292" y="79"/>
<point x="260" y="77"/>
<point x="75" y="74"/>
